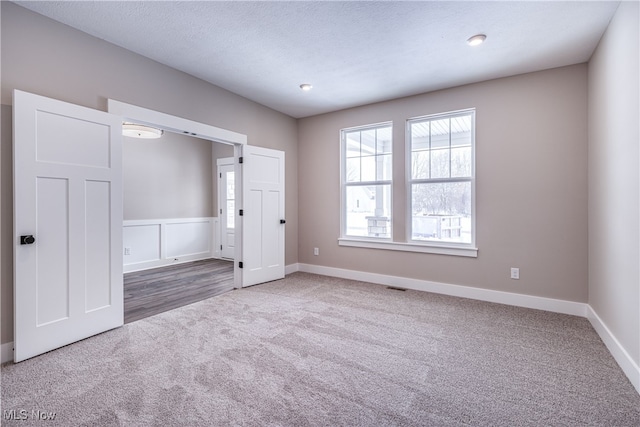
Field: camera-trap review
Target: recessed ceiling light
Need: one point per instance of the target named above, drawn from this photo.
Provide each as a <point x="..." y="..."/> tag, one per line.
<point x="476" y="40"/>
<point x="306" y="87"/>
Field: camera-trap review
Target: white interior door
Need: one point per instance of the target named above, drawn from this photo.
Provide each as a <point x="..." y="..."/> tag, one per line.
<point x="226" y="203"/>
<point x="68" y="196"/>
<point x="263" y="221"/>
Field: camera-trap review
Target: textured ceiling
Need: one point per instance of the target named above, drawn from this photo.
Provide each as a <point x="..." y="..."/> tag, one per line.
<point x="353" y="53"/>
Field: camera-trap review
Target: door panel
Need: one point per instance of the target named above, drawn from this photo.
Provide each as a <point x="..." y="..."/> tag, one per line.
<point x="98" y="245"/>
<point x="52" y="252"/>
<point x="263" y="207"/>
<point x="68" y="194"/>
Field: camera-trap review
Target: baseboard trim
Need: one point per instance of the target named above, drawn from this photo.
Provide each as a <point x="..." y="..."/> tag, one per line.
<point x="627" y="364"/>
<point x="620" y="355"/>
<point x="148" y="265"/>
<point x="291" y="268"/>
<point x="519" y="300"/>
<point x="6" y="352"/>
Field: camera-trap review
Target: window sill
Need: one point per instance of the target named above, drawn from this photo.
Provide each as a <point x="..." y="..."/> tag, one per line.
<point x="409" y="247"/>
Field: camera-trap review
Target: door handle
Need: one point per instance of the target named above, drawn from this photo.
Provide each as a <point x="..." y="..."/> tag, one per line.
<point x="27" y="240"/>
<point x="282" y="221"/>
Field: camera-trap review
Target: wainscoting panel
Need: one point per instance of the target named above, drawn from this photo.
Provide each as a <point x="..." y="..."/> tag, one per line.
<point x="156" y="243"/>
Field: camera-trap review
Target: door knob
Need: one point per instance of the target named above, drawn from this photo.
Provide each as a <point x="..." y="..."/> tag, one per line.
<point x="27" y="240"/>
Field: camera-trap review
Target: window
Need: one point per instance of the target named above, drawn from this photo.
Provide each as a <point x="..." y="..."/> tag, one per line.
<point x="366" y="181"/>
<point x="441" y="182"/>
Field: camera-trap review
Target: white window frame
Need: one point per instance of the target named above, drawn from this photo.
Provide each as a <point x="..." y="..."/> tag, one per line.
<point x="448" y="248"/>
<point x="344" y="184"/>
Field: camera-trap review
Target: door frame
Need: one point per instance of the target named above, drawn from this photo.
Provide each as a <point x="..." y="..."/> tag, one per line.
<point x="179" y="125"/>
<point x="225" y="161"/>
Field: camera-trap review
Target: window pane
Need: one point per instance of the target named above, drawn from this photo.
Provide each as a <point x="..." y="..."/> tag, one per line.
<point x="368" y="140"/>
<point x="441" y="212"/>
<point x="420" y="165"/>
<point x="368" y="211"/>
<point x="353" y="169"/>
<point x="440" y="131"/>
<point x="420" y="135"/>
<point x="231" y="188"/>
<point x="383" y="167"/>
<point x="353" y="144"/>
<point x="461" y="162"/>
<point x="368" y="172"/>
<point x="461" y="124"/>
<point x="440" y="163"/>
<point x="383" y="145"/>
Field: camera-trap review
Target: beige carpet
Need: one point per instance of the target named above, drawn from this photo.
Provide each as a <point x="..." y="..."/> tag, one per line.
<point x="317" y="351"/>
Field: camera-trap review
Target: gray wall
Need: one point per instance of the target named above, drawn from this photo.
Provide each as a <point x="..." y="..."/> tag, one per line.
<point x="614" y="179"/>
<point x="45" y="57"/>
<point x="531" y="186"/>
<point x="170" y="177"/>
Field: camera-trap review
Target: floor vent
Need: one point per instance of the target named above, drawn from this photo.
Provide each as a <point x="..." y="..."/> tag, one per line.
<point x="393" y="288"/>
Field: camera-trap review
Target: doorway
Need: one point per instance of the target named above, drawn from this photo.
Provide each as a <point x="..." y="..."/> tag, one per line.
<point x="68" y="261"/>
<point x="171" y="238"/>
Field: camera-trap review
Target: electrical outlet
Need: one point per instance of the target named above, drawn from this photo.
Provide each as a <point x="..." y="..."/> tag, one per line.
<point x="316" y="251"/>
<point x="127" y="251"/>
<point x="515" y="273"/>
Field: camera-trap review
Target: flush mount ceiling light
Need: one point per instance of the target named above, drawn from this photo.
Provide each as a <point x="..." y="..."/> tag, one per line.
<point x="306" y="87"/>
<point x="476" y="40"/>
<point x="141" y="131"/>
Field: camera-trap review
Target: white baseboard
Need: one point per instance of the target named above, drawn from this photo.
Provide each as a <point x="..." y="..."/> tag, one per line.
<point x="6" y="352"/>
<point x="627" y="364"/>
<point x="291" y="268"/>
<point x="519" y="300"/>
<point x="129" y="268"/>
<point x="620" y="355"/>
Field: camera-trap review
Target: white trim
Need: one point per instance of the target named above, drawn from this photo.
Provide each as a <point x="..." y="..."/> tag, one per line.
<point x="291" y="268"/>
<point x="409" y="247"/>
<point x="500" y="297"/>
<point x="6" y="352"/>
<point x="627" y="364"/>
<point x="174" y="124"/>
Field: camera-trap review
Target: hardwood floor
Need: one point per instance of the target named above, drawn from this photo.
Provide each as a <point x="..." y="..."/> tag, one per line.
<point x="157" y="290"/>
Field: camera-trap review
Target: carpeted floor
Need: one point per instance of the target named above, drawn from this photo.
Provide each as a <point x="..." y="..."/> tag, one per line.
<point x="317" y="351"/>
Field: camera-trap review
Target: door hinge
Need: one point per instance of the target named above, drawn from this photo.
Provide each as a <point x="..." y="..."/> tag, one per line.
<point x="240" y="264"/>
<point x="220" y="211"/>
<point x="241" y="212"/>
<point x="220" y="174"/>
<point x="220" y="247"/>
<point x="241" y="159"/>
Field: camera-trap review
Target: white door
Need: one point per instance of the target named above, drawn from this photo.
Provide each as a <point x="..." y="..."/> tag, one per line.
<point x="68" y="197"/>
<point x="226" y="202"/>
<point x="263" y="221"/>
